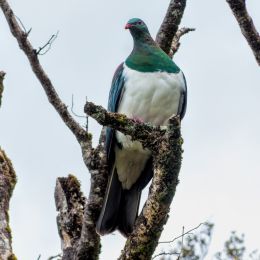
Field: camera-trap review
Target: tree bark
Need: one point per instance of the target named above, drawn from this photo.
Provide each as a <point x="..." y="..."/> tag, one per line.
<point x="247" y="26"/>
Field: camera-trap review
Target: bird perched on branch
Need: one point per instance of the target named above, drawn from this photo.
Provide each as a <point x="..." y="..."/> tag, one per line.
<point x="148" y="87"/>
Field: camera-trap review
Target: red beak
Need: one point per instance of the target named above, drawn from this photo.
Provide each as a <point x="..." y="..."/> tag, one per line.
<point x="128" y="26"/>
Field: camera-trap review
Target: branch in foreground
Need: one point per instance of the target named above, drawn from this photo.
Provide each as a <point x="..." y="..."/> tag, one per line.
<point x="167" y="153"/>
<point x="70" y="203"/>
<point x="170" y="24"/>
<point x="247" y="26"/>
<point x="7" y="184"/>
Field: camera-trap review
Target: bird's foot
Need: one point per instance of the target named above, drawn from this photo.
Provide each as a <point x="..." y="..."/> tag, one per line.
<point x="137" y="119"/>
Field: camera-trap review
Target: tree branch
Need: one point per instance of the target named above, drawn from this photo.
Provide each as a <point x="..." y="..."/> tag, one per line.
<point x="176" y="39"/>
<point x="166" y="163"/>
<point x="247" y="26"/>
<point x="70" y="203"/>
<point x="7" y="184"/>
<point x="94" y="159"/>
<point x="170" y="24"/>
<point x="166" y="149"/>
<point x="49" y="89"/>
<point x="2" y="76"/>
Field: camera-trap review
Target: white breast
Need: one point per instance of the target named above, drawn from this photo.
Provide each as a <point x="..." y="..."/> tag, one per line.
<point x="150" y="97"/>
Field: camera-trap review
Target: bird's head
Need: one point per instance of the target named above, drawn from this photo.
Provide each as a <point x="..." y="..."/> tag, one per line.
<point x="136" y="27"/>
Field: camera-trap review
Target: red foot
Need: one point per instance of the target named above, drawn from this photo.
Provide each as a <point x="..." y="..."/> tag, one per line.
<point x="138" y="119"/>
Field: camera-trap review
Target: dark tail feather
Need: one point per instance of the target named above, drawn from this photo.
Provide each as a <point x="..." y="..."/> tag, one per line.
<point x="128" y="212"/>
<point x="107" y="221"/>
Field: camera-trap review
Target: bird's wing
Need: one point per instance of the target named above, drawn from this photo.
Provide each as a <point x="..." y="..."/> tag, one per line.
<point x="183" y="99"/>
<point x="115" y="95"/>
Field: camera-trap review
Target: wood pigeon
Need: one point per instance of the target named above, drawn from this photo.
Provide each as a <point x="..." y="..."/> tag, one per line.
<point x="148" y="87"/>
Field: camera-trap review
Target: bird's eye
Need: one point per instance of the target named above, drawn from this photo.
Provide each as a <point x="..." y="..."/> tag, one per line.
<point x="140" y="22"/>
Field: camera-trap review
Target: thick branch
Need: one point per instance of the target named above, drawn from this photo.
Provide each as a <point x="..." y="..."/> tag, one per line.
<point x="70" y="203"/>
<point x="95" y="167"/>
<point x="166" y="148"/>
<point x="170" y="24"/>
<point x="247" y="26"/>
<point x="145" y="133"/>
<point x="89" y="244"/>
<point x="7" y="184"/>
<point x="31" y="54"/>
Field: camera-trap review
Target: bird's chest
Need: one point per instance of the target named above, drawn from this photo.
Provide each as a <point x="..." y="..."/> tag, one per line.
<point x="151" y="97"/>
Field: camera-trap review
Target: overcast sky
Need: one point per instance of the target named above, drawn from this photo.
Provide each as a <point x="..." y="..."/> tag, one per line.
<point x="220" y="176"/>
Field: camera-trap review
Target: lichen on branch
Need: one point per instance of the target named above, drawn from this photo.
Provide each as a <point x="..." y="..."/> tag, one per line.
<point x="7" y="184"/>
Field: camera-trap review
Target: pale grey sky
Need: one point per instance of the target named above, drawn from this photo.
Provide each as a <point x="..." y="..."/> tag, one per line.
<point x="220" y="177"/>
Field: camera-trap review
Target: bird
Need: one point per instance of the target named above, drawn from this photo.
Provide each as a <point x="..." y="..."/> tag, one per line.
<point x="147" y="87"/>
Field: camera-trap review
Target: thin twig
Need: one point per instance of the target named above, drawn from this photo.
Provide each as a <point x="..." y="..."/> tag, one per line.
<point x="46" y="83"/>
<point x="24" y="28"/>
<point x="53" y="257"/>
<point x="186" y="233"/>
<point x="47" y="45"/>
<point x="72" y="108"/>
<point x="176" y="39"/>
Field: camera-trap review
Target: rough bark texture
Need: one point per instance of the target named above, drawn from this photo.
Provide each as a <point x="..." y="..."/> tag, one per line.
<point x="166" y="149"/>
<point x="84" y="242"/>
<point x="7" y="184"/>
<point x="70" y="204"/>
<point x="176" y="39"/>
<point x="247" y="26"/>
<point x="2" y="75"/>
<point x="30" y="52"/>
<point x="170" y="24"/>
<point x="91" y="157"/>
<point x="89" y="244"/>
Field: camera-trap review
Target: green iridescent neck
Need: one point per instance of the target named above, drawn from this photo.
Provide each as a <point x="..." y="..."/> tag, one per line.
<point x="147" y="56"/>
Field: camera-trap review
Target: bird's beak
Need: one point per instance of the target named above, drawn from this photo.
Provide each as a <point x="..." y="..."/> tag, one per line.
<point x="128" y="26"/>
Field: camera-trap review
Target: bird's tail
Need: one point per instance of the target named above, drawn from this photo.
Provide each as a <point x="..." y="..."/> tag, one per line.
<point x="128" y="213"/>
<point x="120" y="208"/>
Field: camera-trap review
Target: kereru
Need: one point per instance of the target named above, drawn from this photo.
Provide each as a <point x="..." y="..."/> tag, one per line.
<point x="148" y="87"/>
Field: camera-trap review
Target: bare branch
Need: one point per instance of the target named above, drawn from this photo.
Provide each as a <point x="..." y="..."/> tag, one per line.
<point x="166" y="149"/>
<point x="2" y="76"/>
<point x="54" y="257"/>
<point x="7" y="184"/>
<point x="47" y="45"/>
<point x="24" y="28"/>
<point x="170" y="24"/>
<point x="176" y="39"/>
<point x="186" y="233"/>
<point x="247" y="26"/>
<point x="51" y="93"/>
<point x="70" y="203"/>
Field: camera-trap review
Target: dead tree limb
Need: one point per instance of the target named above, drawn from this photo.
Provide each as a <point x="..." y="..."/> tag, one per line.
<point x="88" y="245"/>
<point x="167" y="154"/>
<point x="92" y="158"/>
<point x="2" y="76"/>
<point x="247" y="26"/>
<point x="7" y="184"/>
<point x="31" y="53"/>
<point x="176" y="39"/>
<point x="70" y="204"/>
<point x="170" y="24"/>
